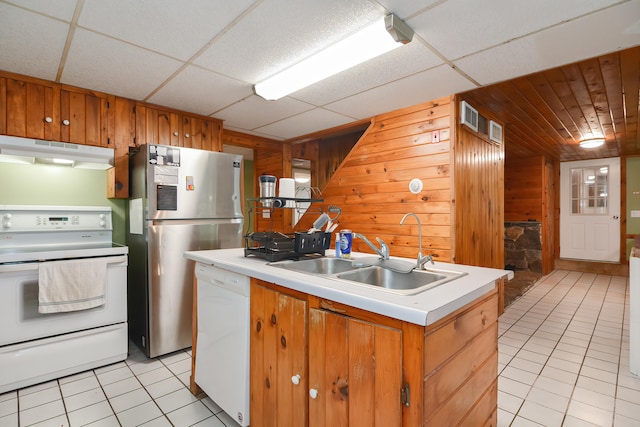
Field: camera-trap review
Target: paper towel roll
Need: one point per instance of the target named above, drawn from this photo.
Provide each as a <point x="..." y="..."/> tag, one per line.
<point x="287" y="189"/>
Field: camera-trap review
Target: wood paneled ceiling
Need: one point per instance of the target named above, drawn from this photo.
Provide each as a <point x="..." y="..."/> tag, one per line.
<point x="549" y="112"/>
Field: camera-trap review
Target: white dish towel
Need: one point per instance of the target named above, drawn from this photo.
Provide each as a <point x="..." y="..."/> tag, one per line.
<point x="71" y="285"/>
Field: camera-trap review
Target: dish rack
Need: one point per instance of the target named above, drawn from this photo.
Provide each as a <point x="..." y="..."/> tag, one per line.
<point x="276" y="246"/>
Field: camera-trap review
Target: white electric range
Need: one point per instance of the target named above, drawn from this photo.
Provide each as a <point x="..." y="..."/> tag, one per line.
<point x="37" y="347"/>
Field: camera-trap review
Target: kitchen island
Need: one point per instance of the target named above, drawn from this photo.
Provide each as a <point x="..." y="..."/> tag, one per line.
<point x="329" y="352"/>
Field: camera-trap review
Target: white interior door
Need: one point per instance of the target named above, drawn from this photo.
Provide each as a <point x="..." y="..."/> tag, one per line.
<point x="590" y="210"/>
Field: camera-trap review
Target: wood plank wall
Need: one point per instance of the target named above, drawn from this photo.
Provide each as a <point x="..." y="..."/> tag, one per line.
<point x="479" y="199"/>
<point x="531" y="191"/>
<point x="523" y="190"/>
<point x="371" y="186"/>
<point x="268" y="159"/>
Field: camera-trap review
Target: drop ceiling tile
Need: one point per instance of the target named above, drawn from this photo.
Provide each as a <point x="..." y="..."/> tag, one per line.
<point x="177" y="29"/>
<point x="279" y="33"/>
<point x="200" y="91"/>
<point x="61" y="9"/>
<point x="404" y="61"/>
<point x="254" y="112"/>
<point x="596" y="34"/>
<point x="418" y="88"/>
<point x="22" y="46"/>
<point x="302" y="124"/>
<point x="104" y="64"/>
<point x="252" y="132"/>
<point x="459" y="27"/>
<point x="404" y="9"/>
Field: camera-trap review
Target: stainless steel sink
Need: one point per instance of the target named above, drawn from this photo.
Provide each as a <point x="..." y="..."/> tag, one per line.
<point x="323" y="266"/>
<point x="398" y="282"/>
<point x="414" y="282"/>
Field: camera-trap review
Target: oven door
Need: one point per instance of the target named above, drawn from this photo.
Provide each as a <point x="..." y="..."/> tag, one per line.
<point x="19" y="314"/>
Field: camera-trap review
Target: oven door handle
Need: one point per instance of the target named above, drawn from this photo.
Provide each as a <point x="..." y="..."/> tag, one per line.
<point x="34" y="266"/>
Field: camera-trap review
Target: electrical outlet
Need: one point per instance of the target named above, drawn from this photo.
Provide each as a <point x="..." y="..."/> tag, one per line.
<point x="635" y="214"/>
<point x="435" y="136"/>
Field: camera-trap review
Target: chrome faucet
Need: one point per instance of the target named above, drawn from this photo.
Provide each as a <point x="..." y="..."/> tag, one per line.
<point x="384" y="249"/>
<point x="422" y="260"/>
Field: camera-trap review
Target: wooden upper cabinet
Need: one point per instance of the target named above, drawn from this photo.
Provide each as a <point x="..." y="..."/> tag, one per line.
<point x="166" y="127"/>
<point x="29" y="110"/>
<point x="47" y="111"/>
<point x="124" y="133"/>
<point x="85" y="118"/>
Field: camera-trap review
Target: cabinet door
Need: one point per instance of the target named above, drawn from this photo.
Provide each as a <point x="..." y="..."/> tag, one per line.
<point x="124" y="133"/>
<point x="85" y="118"/>
<point x="278" y="345"/>
<point x="355" y="372"/>
<point x="200" y="133"/>
<point x="30" y="110"/>
<point x="156" y="126"/>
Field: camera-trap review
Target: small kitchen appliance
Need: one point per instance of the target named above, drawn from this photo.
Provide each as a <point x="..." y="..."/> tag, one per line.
<point x="37" y="345"/>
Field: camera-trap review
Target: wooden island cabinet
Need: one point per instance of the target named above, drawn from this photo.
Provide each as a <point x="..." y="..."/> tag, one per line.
<point x="315" y="362"/>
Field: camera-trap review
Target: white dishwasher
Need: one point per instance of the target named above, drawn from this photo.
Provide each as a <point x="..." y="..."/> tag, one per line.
<point x="222" y="353"/>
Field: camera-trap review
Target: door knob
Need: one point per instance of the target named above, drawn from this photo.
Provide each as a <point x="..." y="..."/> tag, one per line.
<point x="616" y="217"/>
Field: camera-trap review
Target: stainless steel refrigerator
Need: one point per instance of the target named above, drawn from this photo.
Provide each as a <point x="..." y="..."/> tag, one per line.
<point x="181" y="199"/>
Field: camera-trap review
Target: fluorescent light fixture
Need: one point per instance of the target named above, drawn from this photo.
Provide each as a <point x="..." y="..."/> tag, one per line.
<point x="591" y="143"/>
<point x="54" y="152"/>
<point x="380" y="37"/>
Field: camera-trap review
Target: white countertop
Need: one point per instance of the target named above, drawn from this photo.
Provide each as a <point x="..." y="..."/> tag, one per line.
<point x="422" y="309"/>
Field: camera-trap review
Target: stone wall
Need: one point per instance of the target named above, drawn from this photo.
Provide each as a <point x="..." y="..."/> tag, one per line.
<point x="523" y="246"/>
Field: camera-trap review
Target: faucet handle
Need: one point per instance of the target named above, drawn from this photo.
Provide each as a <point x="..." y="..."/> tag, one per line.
<point x="384" y="248"/>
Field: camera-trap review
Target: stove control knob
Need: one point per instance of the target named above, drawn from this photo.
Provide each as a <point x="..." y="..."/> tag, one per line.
<point x="7" y="224"/>
<point x="7" y="216"/>
<point x="103" y="223"/>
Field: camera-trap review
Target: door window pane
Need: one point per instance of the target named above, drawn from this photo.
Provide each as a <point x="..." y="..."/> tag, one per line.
<point x="589" y="191"/>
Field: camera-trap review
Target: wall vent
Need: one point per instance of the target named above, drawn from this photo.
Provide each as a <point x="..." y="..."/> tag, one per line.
<point x="469" y="116"/>
<point x="495" y="132"/>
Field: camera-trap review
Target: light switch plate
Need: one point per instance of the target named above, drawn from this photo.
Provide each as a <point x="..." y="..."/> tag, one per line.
<point x="635" y="214"/>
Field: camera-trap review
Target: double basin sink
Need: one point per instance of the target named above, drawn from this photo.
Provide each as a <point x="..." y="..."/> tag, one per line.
<point x="403" y="283"/>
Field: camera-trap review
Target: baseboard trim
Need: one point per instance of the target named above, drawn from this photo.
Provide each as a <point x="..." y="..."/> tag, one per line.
<point x="611" y="268"/>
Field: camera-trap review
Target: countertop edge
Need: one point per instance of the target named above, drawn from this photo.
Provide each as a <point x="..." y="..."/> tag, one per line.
<point x="422" y="309"/>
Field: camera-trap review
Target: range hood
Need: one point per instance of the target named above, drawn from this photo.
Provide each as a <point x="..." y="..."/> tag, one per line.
<point x="29" y="151"/>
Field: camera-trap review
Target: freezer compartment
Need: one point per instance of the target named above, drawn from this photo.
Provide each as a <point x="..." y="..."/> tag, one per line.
<point x="185" y="183"/>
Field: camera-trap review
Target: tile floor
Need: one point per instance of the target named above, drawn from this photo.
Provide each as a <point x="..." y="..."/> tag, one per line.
<point x="564" y="354"/>
<point x="563" y="361"/>
<point x="138" y="391"/>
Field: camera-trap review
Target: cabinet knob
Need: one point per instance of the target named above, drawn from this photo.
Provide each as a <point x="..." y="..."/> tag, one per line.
<point x="295" y="379"/>
<point x="175" y="134"/>
<point x="48" y="119"/>
<point x="313" y="393"/>
<point x="186" y="135"/>
<point x="66" y="122"/>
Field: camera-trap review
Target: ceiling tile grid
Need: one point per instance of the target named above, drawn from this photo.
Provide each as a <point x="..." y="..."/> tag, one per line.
<point x="254" y="112"/>
<point x="203" y="56"/>
<point x="176" y="29"/>
<point x="592" y="35"/>
<point x="108" y="65"/>
<point x="200" y="91"/>
<point x="23" y="49"/>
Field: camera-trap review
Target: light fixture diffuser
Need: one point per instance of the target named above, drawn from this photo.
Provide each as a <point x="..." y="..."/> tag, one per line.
<point x="373" y="40"/>
<point x="592" y="142"/>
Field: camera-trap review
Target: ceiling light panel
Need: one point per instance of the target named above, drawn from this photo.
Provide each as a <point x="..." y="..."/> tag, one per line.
<point x="369" y="42"/>
<point x="279" y="33"/>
